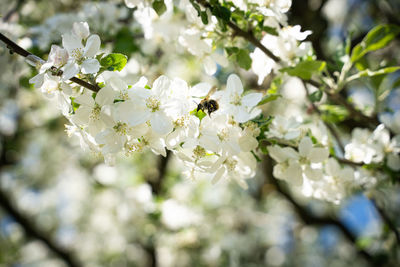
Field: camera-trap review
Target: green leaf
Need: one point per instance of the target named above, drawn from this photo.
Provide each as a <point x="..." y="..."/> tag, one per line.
<point x="198" y="113"/>
<point x="74" y="105"/>
<point x="305" y="69"/>
<point x="114" y="61"/>
<point x="333" y="113"/>
<point x="379" y="37"/>
<point x="221" y="12"/>
<point x="204" y="17"/>
<point x="231" y="50"/>
<point x="316" y="96"/>
<point x="268" y="98"/>
<point x="124" y="43"/>
<point x="243" y="59"/>
<point x="159" y="6"/>
<point x="270" y="30"/>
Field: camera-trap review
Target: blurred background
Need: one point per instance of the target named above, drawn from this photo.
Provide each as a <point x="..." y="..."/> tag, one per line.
<point x="62" y="206"/>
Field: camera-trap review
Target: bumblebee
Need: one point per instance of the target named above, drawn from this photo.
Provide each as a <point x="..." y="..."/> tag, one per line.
<point x="208" y="104"/>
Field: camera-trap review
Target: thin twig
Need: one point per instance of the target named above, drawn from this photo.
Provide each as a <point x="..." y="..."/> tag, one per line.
<point x="387" y="220"/>
<point x="13" y="47"/>
<point x="330" y="126"/>
<point x="248" y="35"/>
<point x="310" y="219"/>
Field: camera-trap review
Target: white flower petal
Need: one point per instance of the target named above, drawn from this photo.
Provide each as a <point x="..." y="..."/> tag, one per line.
<point x="81" y="29"/>
<point x="92" y="46"/>
<point x="105" y="96"/>
<point x="209" y="65"/>
<point x="161" y="85"/>
<point x="234" y="85"/>
<point x="71" y="42"/>
<point x="251" y="100"/>
<point x="305" y="146"/>
<point x="318" y="154"/>
<point x="70" y="70"/>
<point x="313" y="174"/>
<point x="160" y="123"/>
<point x="90" y="65"/>
<point x="133" y="113"/>
<point x="200" y="89"/>
<point x="85" y="99"/>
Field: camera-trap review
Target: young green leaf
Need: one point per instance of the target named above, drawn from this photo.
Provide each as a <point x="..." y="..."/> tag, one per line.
<point x="243" y="59"/>
<point x="316" y="96"/>
<point x="379" y="37"/>
<point x="159" y="6"/>
<point x="305" y="69"/>
<point x="114" y="61"/>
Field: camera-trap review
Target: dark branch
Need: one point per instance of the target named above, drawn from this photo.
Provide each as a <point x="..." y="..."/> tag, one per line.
<point x="387" y="220"/>
<point x="34" y="232"/>
<point x="13" y="47"/>
<point x="308" y="218"/>
<point x="248" y="35"/>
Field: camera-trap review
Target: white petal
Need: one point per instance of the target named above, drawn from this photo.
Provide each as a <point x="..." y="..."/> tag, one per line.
<point x="85" y="99"/>
<point x="90" y="65"/>
<point x="313" y="174"/>
<point x="294" y="174"/>
<point x="133" y="113"/>
<point x="71" y="42"/>
<point x="160" y="123"/>
<point x="393" y="162"/>
<point x="81" y="116"/>
<point x="161" y="85"/>
<point x="200" y="89"/>
<point x="209" y="65"/>
<point x="251" y="100"/>
<point x="305" y="146"/>
<point x="70" y="70"/>
<point x="241" y="115"/>
<point x="218" y="175"/>
<point x="105" y="96"/>
<point x="92" y="46"/>
<point x="318" y="154"/>
<point x="37" y="80"/>
<point x="117" y="83"/>
<point x="234" y="85"/>
<point x="81" y="29"/>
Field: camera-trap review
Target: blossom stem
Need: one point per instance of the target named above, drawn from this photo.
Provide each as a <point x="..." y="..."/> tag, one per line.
<point x="15" y="48"/>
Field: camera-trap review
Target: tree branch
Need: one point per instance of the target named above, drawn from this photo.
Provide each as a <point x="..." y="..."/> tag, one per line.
<point x="13" y="47"/>
<point x="387" y="220"/>
<point x="34" y="232"/>
<point x="310" y="219"/>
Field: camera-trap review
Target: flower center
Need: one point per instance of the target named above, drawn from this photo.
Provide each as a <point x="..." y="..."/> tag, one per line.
<point x="124" y="95"/>
<point x="181" y="122"/>
<point x="223" y="134"/>
<point x="121" y="128"/>
<point x="230" y="164"/>
<point x="199" y="152"/>
<point x="95" y="115"/>
<point x="236" y="100"/>
<point x="77" y="54"/>
<point x="133" y="147"/>
<point x="153" y="103"/>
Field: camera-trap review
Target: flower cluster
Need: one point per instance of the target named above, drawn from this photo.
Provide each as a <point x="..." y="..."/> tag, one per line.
<point x="167" y="115"/>
<point x="367" y="147"/>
